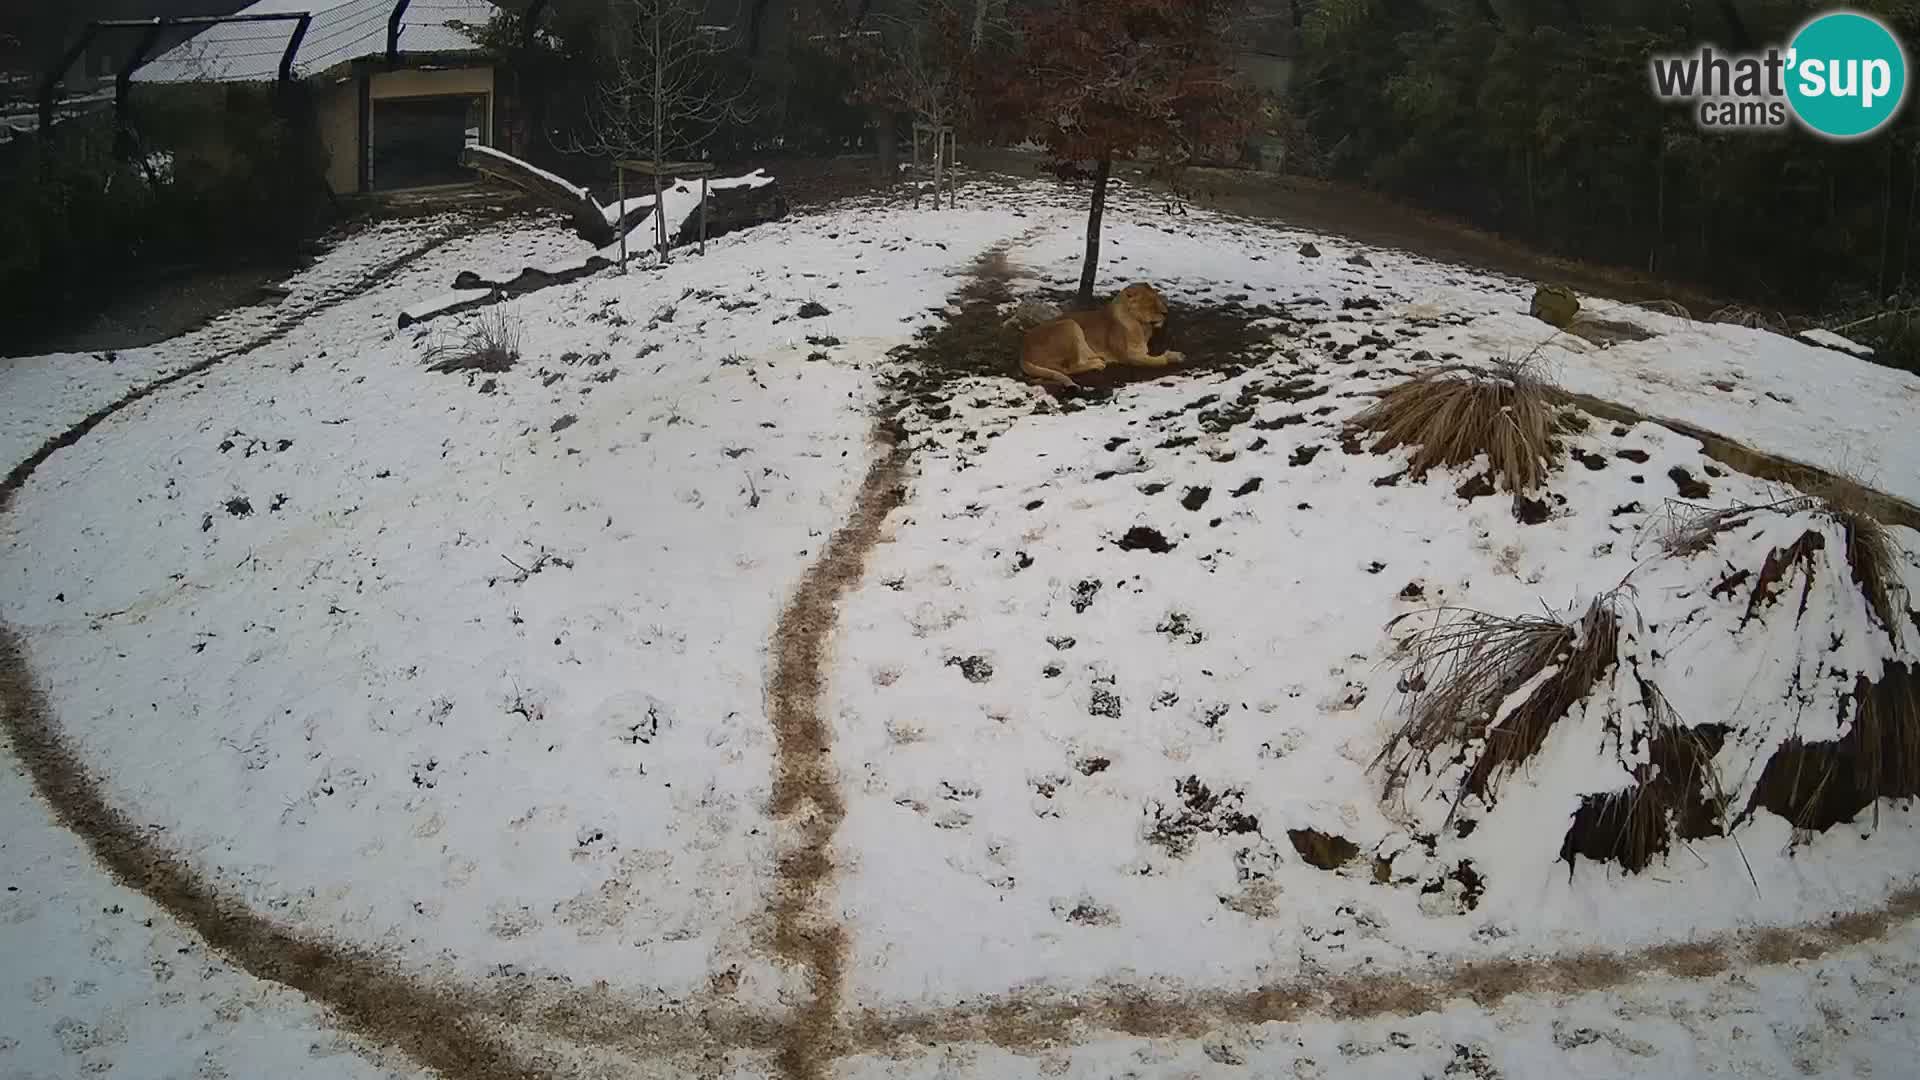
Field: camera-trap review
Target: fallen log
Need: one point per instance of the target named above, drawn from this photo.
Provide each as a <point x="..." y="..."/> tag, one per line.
<point x="571" y="199"/>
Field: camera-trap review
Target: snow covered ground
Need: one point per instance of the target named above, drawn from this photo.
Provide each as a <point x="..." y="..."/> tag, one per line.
<point x="470" y="668"/>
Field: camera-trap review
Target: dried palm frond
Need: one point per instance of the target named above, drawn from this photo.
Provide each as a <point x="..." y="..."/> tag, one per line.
<point x="1499" y="683"/>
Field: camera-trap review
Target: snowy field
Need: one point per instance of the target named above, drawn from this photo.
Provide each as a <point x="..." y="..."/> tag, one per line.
<point x="469" y="672"/>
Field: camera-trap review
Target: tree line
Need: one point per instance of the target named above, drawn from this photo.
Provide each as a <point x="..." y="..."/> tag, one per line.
<point x="1536" y="118"/>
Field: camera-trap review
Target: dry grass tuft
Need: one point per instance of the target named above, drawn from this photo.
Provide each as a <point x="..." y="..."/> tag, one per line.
<point x="1691" y="528"/>
<point x="1667" y="307"/>
<point x="1751" y="318"/>
<point x="1675" y="794"/>
<point x="491" y="345"/>
<point x="1498" y="682"/>
<point x="1872" y="553"/>
<point x="1455" y="413"/>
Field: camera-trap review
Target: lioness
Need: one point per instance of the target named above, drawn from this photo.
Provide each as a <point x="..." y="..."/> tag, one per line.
<point x="1116" y="333"/>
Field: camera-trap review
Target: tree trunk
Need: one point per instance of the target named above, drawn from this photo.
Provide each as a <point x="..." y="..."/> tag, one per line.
<point x="939" y="158"/>
<point x="1741" y="37"/>
<point x="1896" y="218"/>
<point x="1659" y="209"/>
<point x="980" y="8"/>
<point x="659" y="148"/>
<point x="1091" y="268"/>
<point x="886" y="147"/>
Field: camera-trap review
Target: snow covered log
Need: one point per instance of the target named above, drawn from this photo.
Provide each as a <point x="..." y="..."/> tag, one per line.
<point x="573" y="200"/>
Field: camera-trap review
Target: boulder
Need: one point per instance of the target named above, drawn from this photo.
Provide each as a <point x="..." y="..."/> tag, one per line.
<point x="732" y="208"/>
<point x="1555" y="305"/>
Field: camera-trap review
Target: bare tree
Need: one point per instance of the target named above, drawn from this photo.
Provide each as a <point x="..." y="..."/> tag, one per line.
<point x="666" y="89"/>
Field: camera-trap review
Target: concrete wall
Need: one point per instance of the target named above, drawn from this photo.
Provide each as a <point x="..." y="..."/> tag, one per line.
<point x="337" y="113"/>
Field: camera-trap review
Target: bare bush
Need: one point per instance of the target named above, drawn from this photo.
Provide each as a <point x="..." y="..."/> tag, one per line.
<point x="492" y="345"/>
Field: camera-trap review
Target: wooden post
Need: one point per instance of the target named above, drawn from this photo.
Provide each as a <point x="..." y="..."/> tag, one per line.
<point x="953" y="158"/>
<point x="939" y="158"/>
<point x="661" y="171"/>
<point x="620" y="222"/>
<point x="659" y="220"/>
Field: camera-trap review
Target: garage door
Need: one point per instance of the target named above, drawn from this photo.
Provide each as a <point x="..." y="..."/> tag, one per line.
<point x="417" y="141"/>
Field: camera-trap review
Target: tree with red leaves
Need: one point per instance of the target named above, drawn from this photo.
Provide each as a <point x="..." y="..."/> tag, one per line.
<point x="1145" y="79"/>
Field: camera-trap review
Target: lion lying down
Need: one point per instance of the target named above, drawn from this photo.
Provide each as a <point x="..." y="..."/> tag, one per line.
<point x="1116" y="333"/>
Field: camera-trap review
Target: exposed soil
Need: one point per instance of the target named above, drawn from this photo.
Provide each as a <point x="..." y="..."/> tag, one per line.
<point x="1034" y="1020"/>
<point x="281" y="327"/>
<point x="1323" y="850"/>
<point x="806" y="794"/>
<point x="1377" y="220"/>
<point x="165" y="306"/>
<point x="982" y="340"/>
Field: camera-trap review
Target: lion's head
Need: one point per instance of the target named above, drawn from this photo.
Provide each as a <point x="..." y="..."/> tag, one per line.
<point x="1145" y="304"/>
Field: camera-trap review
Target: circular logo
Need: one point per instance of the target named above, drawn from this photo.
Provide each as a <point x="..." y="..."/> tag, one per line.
<point x="1846" y="76"/>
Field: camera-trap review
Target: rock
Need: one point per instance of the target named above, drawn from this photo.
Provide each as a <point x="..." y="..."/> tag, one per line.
<point x="1309" y="251"/>
<point x="732" y="208"/>
<point x="1554" y="305"/>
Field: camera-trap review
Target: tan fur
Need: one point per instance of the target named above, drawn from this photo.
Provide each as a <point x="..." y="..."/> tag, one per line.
<point x="1116" y="333"/>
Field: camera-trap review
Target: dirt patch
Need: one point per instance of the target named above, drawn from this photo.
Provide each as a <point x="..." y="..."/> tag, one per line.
<point x="1690" y="487"/>
<point x="1607" y="331"/>
<point x="1142" y="538"/>
<point x="984" y="340"/>
<point x="1323" y="850"/>
<point x="1197" y="809"/>
<point x="281" y="327"/>
<point x="166" y="305"/>
<point x="806" y="793"/>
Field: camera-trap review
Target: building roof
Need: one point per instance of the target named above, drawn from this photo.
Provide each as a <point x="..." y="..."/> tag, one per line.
<point x="341" y="30"/>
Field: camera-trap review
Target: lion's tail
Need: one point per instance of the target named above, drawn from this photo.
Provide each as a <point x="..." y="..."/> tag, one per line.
<point x="1031" y="313"/>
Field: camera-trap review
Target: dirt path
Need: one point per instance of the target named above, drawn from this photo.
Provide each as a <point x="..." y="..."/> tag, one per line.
<point x="1025" y="1021"/>
<point x="806" y="791"/>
